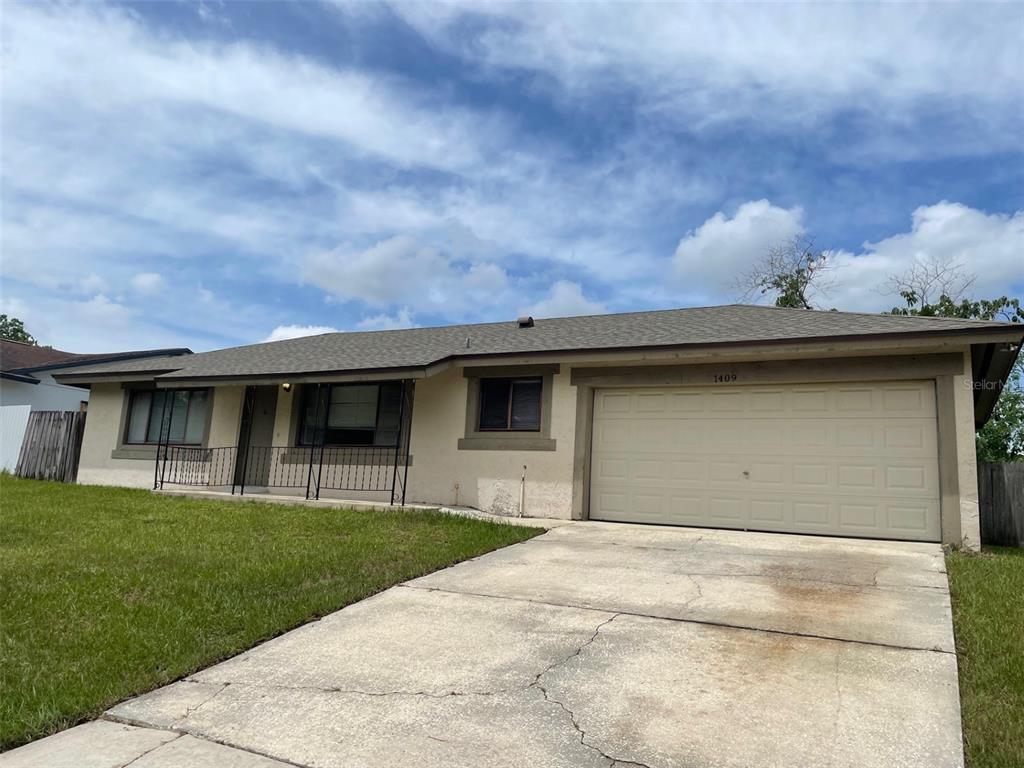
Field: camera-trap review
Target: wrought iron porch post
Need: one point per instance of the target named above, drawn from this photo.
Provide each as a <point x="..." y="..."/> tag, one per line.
<point x="158" y="474"/>
<point x="249" y="403"/>
<point x="323" y="440"/>
<point x="409" y="388"/>
<point x="398" y="441"/>
<point x="312" y="446"/>
<point x="160" y="438"/>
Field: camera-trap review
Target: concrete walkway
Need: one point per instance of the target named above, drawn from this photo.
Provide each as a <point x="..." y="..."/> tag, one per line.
<point x="591" y="645"/>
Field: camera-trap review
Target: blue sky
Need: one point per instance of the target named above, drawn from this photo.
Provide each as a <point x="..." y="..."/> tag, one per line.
<point x="211" y="174"/>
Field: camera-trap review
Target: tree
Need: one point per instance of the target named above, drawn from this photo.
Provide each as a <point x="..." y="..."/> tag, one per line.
<point x="792" y="271"/>
<point x="1002" y="437"/>
<point x="13" y="329"/>
<point x="1003" y="308"/>
<point x="931" y="278"/>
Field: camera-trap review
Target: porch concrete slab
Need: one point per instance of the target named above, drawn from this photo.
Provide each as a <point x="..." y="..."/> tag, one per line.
<point x="99" y="744"/>
<point x="887" y="593"/>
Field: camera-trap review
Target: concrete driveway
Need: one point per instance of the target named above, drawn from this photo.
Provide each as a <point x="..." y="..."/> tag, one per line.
<point x="592" y="645"/>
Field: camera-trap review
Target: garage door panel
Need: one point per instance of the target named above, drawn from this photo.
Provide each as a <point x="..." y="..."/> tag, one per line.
<point x="896" y="400"/>
<point x="911" y="518"/>
<point x="838" y="437"/>
<point x="858" y="459"/>
<point x="798" y="475"/>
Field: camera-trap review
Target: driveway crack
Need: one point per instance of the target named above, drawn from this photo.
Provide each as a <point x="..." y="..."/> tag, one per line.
<point x="695" y="620"/>
<point x="361" y="692"/>
<point x="189" y="711"/>
<point x="577" y="652"/>
<point x="538" y="683"/>
<point x="151" y="749"/>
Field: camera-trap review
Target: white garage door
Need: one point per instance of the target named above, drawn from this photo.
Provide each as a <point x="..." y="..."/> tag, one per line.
<point x="840" y="459"/>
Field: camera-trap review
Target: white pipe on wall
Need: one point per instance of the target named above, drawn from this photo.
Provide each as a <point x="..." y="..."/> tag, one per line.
<point x="522" y="491"/>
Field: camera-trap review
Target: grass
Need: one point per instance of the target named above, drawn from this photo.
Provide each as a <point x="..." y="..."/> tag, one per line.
<point x="106" y="593"/>
<point x="988" y="619"/>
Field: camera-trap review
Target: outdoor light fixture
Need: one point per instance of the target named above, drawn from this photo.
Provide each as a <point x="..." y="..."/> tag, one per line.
<point x="287" y="387"/>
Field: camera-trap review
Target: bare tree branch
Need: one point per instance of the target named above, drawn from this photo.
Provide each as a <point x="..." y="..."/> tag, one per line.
<point x="930" y="278"/>
<point x="794" y="272"/>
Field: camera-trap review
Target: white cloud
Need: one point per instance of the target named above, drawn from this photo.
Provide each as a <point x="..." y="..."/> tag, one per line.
<point x="147" y="282"/>
<point x="97" y="171"/>
<point x="401" y="270"/>
<point x="987" y="245"/>
<point x="785" y="64"/>
<point x="283" y="332"/>
<point x="93" y="283"/>
<point x="375" y="115"/>
<point x="711" y="258"/>
<point x="101" y="309"/>
<point x="565" y="299"/>
<point x="385" y="322"/>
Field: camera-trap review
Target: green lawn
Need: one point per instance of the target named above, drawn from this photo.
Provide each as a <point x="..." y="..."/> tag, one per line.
<point x="988" y="618"/>
<point x="108" y="592"/>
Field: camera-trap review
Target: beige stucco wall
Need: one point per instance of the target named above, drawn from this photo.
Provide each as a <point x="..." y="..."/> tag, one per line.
<point x="102" y="425"/>
<point x="486" y="479"/>
<point x="227" y="410"/>
<point x="967" y="467"/>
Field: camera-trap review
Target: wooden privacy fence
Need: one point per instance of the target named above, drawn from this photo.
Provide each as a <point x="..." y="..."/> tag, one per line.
<point x="52" y="444"/>
<point x="1001" y="498"/>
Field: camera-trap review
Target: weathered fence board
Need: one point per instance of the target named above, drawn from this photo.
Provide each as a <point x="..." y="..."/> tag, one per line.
<point x="52" y="444"/>
<point x="1001" y="501"/>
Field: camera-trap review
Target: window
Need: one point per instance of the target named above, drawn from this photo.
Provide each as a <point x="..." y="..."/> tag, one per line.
<point x="357" y="414"/>
<point x="510" y="405"/>
<point x="183" y="412"/>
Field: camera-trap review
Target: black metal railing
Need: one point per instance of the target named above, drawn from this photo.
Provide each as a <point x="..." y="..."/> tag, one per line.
<point x="315" y="469"/>
<point x="188" y="465"/>
<point x="312" y="468"/>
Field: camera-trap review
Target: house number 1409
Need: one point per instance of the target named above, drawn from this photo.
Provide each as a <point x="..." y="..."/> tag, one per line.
<point x="723" y="378"/>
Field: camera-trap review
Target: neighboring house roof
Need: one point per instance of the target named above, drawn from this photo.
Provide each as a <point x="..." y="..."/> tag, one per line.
<point x="417" y="348"/>
<point x="19" y="361"/>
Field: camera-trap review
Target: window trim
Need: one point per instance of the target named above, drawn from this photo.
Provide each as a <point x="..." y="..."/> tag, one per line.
<point x="475" y="439"/>
<point x="146" y="443"/>
<point x="512" y="381"/>
<point x="308" y="390"/>
<point x="147" y="451"/>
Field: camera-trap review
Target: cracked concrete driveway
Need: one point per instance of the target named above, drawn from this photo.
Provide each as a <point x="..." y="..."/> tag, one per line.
<point x="592" y="645"/>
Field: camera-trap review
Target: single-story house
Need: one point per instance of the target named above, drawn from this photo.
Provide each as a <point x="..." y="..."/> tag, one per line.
<point x="27" y="384"/>
<point x="745" y="417"/>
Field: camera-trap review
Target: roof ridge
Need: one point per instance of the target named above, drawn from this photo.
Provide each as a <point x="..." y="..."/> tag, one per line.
<point x="875" y="314"/>
<point x="28" y="344"/>
<point x="482" y="325"/>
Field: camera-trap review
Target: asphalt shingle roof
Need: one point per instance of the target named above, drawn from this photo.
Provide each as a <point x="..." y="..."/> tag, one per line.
<point x="16" y="356"/>
<point x="419" y="347"/>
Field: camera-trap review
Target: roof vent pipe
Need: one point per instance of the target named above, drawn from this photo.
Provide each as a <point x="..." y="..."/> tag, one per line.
<point x="525" y="322"/>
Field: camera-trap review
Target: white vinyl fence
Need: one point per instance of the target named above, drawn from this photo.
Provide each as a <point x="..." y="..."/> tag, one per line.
<point x="13" y="420"/>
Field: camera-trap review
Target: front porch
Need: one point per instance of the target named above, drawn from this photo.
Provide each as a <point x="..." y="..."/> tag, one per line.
<point x="314" y="460"/>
